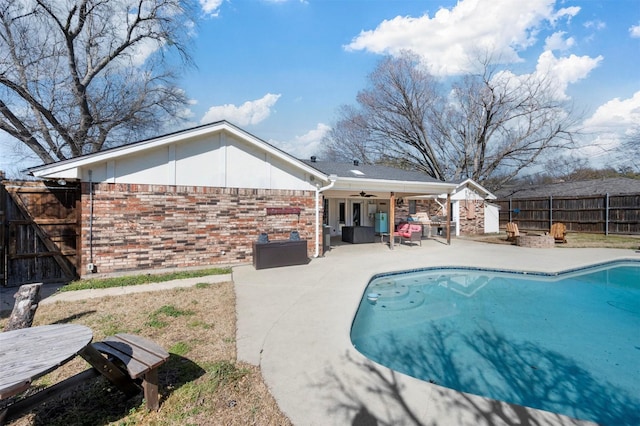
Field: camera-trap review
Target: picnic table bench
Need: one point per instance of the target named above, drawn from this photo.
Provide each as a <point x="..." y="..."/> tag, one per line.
<point x="139" y="356"/>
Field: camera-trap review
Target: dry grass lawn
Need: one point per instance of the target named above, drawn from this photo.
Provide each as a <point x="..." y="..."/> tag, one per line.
<point x="574" y="240"/>
<point x="201" y="384"/>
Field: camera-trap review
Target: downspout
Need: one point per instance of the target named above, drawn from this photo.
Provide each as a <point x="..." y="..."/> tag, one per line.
<point x="90" y="266"/>
<point x="449" y="219"/>
<point x="332" y="181"/>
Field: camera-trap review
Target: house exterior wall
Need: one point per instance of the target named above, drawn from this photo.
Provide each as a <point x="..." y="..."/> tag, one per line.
<point x="424" y="208"/>
<point x="471" y="216"/>
<point x="216" y="160"/>
<point x="149" y="227"/>
<point x="475" y="215"/>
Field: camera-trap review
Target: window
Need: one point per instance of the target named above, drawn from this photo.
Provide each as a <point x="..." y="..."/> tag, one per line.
<point x="412" y="206"/>
<point x="341" y="213"/>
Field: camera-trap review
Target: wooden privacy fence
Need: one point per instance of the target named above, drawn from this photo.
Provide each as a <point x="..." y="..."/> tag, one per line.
<point x="608" y="214"/>
<point x="39" y="225"/>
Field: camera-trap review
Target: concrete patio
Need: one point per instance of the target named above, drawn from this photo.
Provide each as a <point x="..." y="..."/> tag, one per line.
<point x="294" y="322"/>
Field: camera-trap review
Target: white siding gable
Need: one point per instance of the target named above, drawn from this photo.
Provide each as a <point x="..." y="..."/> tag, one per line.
<point x="214" y="155"/>
<point x="217" y="160"/>
<point x="466" y="194"/>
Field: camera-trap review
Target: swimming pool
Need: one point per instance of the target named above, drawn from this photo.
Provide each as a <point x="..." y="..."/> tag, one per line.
<point x="567" y="343"/>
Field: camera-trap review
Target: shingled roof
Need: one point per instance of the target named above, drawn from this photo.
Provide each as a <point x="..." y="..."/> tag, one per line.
<point x="368" y="171"/>
<point x="611" y="186"/>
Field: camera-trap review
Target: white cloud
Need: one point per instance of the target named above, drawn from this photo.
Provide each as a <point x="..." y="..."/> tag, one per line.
<point x="250" y="112"/>
<point x="616" y="114"/>
<point x="143" y="50"/>
<point x="557" y="41"/>
<point x="565" y="70"/>
<point x="449" y="39"/>
<point x="559" y="73"/>
<point x="634" y="31"/>
<point x="611" y="124"/>
<point x="306" y="145"/>
<point x="596" y="25"/>
<point x="568" y="12"/>
<point x="211" y="7"/>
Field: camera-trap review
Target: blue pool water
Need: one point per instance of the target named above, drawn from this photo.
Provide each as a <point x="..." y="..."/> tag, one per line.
<point x="567" y="343"/>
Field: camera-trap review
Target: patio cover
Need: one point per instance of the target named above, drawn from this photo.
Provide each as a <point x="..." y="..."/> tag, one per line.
<point x="382" y="182"/>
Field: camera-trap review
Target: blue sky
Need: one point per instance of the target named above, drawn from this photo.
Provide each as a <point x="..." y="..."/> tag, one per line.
<point x="281" y="68"/>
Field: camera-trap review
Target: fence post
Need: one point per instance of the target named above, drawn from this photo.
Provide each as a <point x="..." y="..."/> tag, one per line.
<point x="550" y="211"/>
<point x="510" y="220"/>
<point x="606" y="214"/>
<point x="4" y="243"/>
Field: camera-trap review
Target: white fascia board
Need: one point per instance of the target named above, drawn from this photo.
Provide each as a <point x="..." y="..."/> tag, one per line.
<point x="51" y="170"/>
<point x="67" y="173"/>
<point x="386" y="185"/>
<point x="57" y="172"/>
<point x="54" y="170"/>
<point x="479" y="188"/>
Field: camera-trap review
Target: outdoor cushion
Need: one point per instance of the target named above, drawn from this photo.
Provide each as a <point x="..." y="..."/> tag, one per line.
<point x="406" y="229"/>
<point x="417" y="229"/>
<point x="403" y="227"/>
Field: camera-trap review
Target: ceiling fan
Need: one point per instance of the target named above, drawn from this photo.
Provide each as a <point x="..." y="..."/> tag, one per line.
<point x="363" y="194"/>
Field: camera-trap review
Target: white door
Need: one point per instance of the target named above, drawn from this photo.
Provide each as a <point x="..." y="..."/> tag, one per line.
<point x="356" y="214"/>
<point x="491" y="219"/>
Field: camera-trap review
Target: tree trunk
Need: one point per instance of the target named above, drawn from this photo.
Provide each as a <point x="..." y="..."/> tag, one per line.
<point x="24" y="309"/>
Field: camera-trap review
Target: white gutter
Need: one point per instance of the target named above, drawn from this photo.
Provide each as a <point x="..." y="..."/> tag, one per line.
<point x="332" y="181"/>
<point x="386" y="185"/>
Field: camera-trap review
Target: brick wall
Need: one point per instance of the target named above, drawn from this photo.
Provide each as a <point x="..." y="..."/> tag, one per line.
<point x="535" y="241"/>
<point x="423" y="207"/>
<point x="471" y="213"/>
<point x="471" y="217"/>
<point x="150" y="227"/>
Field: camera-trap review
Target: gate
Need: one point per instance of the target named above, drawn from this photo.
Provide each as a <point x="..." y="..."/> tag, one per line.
<point x="38" y="232"/>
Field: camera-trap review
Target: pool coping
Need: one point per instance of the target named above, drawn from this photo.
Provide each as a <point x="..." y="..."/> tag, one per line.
<point x="507" y="271"/>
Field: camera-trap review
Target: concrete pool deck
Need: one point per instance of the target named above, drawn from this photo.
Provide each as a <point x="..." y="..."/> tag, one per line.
<point x="294" y="323"/>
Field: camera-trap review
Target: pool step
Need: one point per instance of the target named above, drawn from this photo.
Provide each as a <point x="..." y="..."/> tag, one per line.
<point x="390" y="295"/>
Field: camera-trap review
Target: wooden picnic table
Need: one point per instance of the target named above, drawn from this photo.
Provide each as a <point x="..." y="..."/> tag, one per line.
<point x="29" y="353"/>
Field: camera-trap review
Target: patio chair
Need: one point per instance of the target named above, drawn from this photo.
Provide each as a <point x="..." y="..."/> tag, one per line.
<point x="512" y="231"/>
<point x="559" y="232"/>
<point x="409" y="232"/>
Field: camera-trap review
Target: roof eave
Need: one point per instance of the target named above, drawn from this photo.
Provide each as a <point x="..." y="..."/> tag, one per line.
<point x="484" y="192"/>
<point x="350" y="184"/>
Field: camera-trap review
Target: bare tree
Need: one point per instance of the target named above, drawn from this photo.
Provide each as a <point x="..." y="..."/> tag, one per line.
<point x="485" y="126"/>
<point x="349" y="139"/>
<point x="564" y="167"/>
<point x="80" y="75"/>
<point x="630" y="151"/>
<point x="392" y="119"/>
